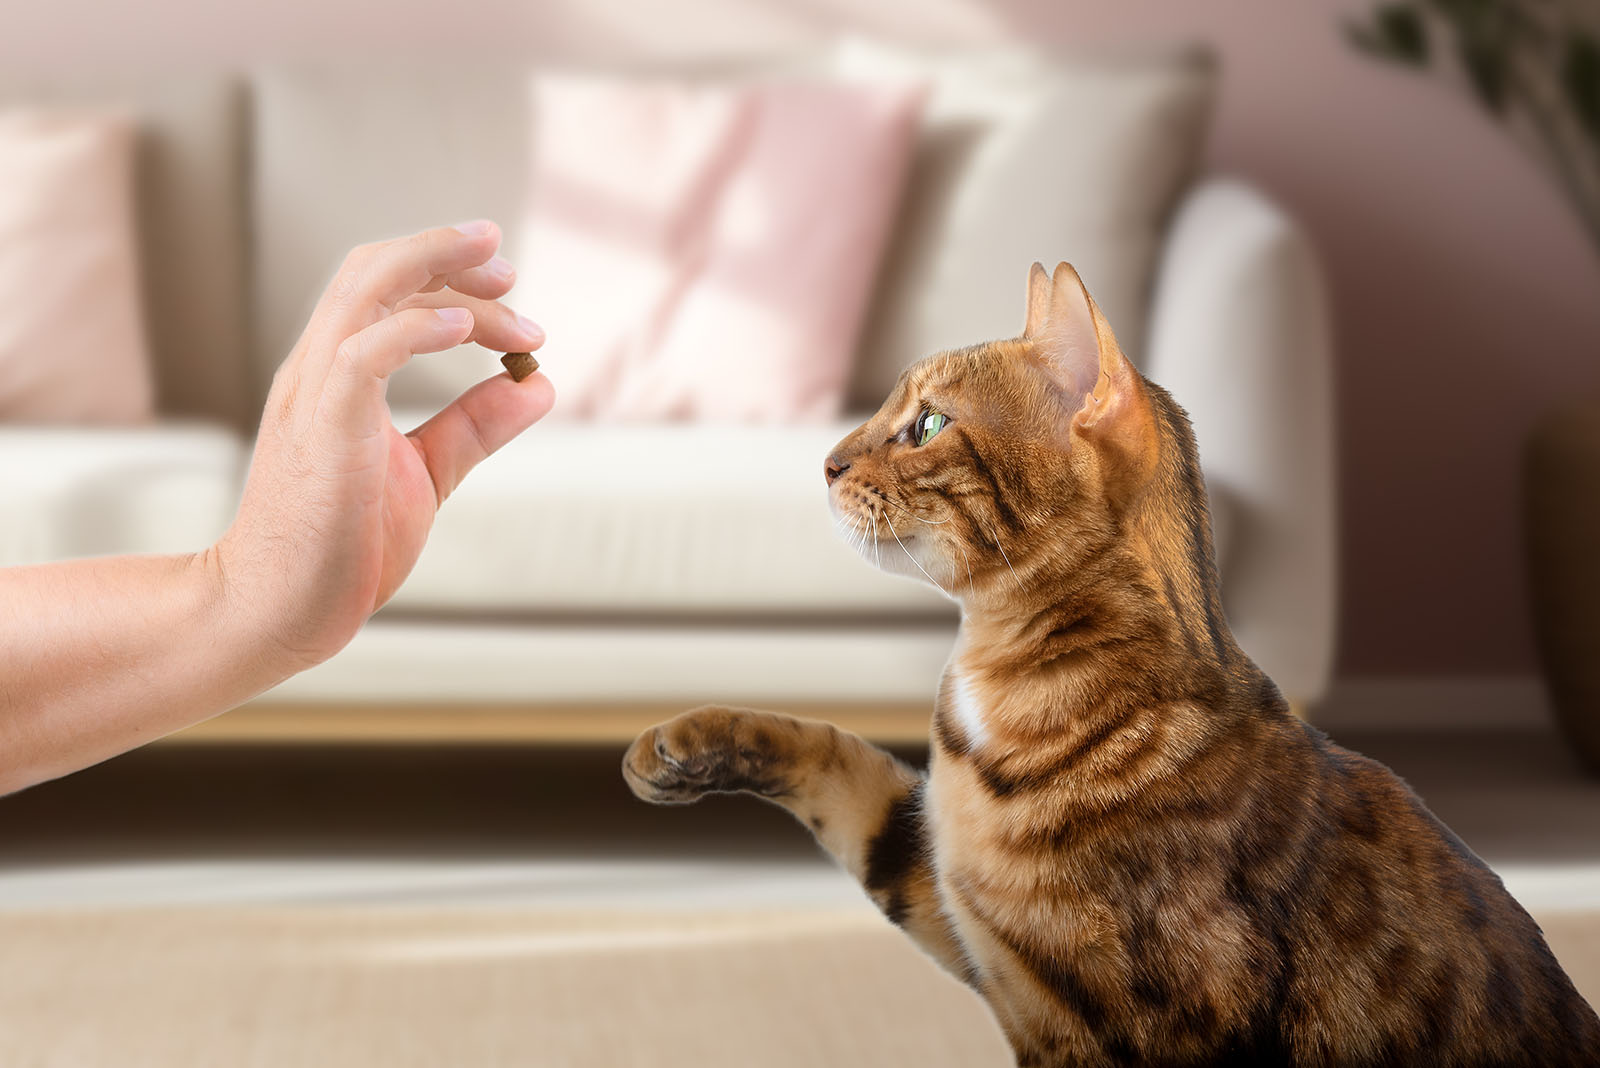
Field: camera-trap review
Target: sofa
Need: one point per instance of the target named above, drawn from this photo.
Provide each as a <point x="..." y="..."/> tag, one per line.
<point x="592" y="575"/>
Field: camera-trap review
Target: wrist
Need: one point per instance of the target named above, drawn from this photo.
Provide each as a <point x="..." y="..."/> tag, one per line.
<point x="242" y="635"/>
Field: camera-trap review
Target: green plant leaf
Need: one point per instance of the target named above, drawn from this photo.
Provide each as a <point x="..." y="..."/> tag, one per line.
<point x="1580" y="76"/>
<point x="1470" y="13"/>
<point x="1485" y="64"/>
<point x="1484" y="37"/>
<point x="1396" y="33"/>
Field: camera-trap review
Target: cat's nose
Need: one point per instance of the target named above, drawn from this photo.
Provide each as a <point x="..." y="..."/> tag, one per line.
<point x="833" y="467"/>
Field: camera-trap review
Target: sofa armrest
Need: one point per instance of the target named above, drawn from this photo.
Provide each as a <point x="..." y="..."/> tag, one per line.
<point x="1240" y="335"/>
<point x="170" y="486"/>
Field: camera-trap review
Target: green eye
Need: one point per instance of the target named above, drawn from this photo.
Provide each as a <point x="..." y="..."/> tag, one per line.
<point x="929" y="423"/>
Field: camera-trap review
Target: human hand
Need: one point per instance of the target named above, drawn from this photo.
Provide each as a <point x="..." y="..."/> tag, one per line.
<point x="338" y="503"/>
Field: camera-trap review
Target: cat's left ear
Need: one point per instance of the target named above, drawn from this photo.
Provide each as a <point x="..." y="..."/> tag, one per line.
<point x="1113" y="411"/>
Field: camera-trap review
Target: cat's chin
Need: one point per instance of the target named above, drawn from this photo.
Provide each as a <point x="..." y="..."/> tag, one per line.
<point x="909" y="558"/>
<point x="894" y="553"/>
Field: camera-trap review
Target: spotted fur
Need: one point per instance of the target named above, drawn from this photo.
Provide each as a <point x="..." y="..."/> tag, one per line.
<point x="1125" y="842"/>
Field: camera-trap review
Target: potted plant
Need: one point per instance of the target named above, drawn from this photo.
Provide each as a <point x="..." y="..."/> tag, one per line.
<point x="1535" y="65"/>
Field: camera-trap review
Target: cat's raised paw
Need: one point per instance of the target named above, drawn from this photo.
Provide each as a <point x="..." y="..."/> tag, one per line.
<point x="708" y="750"/>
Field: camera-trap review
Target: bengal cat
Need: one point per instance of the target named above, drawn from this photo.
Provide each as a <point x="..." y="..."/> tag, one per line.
<point x="1125" y="842"/>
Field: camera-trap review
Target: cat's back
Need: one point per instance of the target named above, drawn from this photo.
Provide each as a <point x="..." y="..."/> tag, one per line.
<point x="1402" y="945"/>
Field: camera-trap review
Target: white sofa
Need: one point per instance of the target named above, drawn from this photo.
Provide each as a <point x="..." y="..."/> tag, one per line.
<point x="636" y="567"/>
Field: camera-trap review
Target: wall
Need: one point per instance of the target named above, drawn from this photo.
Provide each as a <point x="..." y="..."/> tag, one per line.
<point x="1467" y="299"/>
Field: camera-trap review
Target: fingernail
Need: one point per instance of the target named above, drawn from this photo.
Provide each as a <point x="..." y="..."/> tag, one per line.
<point x="531" y="328"/>
<point x="455" y="316"/>
<point x="475" y="228"/>
<point x="501" y="268"/>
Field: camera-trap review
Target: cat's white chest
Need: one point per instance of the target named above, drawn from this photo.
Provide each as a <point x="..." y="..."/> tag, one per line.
<point x="967" y="709"/>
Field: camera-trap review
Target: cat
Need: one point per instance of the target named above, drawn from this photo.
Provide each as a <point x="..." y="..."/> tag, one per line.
<point x="1126" y="843"/>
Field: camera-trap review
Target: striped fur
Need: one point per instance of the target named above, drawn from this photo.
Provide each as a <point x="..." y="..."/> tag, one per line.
<point x="1124" y="842"/>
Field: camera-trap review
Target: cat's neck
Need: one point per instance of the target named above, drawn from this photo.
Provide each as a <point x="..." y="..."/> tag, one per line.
<point x="1131" y="619"/>
<point x="1095" y="653"/>
<point x="1075" y="620"/>
<point x="1119" y="610"/>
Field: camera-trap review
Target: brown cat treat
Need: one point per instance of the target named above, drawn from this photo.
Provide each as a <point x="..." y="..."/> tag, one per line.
<point x="519" y="364"/>
<point x="1124" y="841"/>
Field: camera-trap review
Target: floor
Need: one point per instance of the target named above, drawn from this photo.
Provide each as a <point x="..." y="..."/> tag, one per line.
<point x="507" y="858"/>
<point x="1515" y="797"/>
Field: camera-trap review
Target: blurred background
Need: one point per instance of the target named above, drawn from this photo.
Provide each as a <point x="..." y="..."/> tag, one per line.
<point x="1361" y="244"/>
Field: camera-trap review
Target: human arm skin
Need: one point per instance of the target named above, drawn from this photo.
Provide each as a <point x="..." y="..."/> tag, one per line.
<point x="99" y="656"/>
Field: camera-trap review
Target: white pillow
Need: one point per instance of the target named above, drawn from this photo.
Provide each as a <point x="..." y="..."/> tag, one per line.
<point x="1025" y="158"/>
<point x="72" y="340"/>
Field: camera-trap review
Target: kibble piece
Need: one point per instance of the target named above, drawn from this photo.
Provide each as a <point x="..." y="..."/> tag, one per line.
<point x="520" y="364"/>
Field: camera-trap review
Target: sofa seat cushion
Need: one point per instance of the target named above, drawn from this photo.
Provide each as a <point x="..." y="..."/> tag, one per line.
<point x="411" y="664"/>
<point x="89" y="492"/>
<point x="673" y="518"/>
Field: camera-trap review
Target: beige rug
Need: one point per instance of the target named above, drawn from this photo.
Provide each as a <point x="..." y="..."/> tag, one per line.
<point x="398" y="987"/>
<point x="1575" y="938"/>
<point x="402" y="987"/>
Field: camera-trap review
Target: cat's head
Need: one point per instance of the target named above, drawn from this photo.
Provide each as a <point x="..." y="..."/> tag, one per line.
<point x="983" y="458"/>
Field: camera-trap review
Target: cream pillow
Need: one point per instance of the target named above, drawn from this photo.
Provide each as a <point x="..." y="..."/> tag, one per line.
<point x="1025" y="157"/>
<point x="72" y="340"/>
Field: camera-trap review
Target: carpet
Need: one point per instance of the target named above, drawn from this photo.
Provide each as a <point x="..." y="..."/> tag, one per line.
<point x="402" y="986"/>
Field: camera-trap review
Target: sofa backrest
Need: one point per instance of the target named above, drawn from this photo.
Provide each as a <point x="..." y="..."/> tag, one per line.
<point x="249" y="195"/>
<point x="1020" y="158"/>
<point x="1027" y="158"/>
<point x="347" y="156"/>
<point x="191" y="190"/>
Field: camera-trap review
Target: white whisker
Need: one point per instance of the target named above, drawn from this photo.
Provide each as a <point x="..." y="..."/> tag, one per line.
<point x="913" y="559"/>
<point x="1007" y="559"/>
<point x="963" y="548"/>
<point x="850" y="530"/>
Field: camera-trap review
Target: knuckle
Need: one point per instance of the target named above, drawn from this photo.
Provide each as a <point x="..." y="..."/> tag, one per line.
<point x="418" y="245"/>
<point x="345" y="289"/>
<point x="348" y="282"/>
<point x="362" y="255"/>
<point x="349" y="351"/>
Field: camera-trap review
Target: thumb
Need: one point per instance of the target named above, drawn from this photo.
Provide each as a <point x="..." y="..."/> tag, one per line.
<point x="476" y="424"/>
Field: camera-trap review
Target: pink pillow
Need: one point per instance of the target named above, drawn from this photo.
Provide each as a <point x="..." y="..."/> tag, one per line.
<point x="707" y="252"/>
<point x="72" y="345"/>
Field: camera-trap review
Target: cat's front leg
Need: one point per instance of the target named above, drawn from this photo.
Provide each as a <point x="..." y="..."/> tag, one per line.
<point x="863" y="805"/>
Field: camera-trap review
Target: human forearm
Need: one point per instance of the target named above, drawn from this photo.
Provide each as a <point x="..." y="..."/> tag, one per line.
<point x="99" y="656"/>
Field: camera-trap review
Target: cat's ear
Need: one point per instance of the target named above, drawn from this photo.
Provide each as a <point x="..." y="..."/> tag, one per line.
<point x="1075" y="342"/>
<point x="1038" y="301"/>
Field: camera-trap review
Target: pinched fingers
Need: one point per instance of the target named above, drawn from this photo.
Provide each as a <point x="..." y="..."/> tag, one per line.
<point x="352" y="395"/>
<point x="494" y="326"/>
<point x="493" y="279"/>
<point x="375" y="278"/>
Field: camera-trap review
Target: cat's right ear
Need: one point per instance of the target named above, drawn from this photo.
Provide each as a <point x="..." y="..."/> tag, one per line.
<point x="1112" y="410"/>
<point x="1070" y="336"/>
